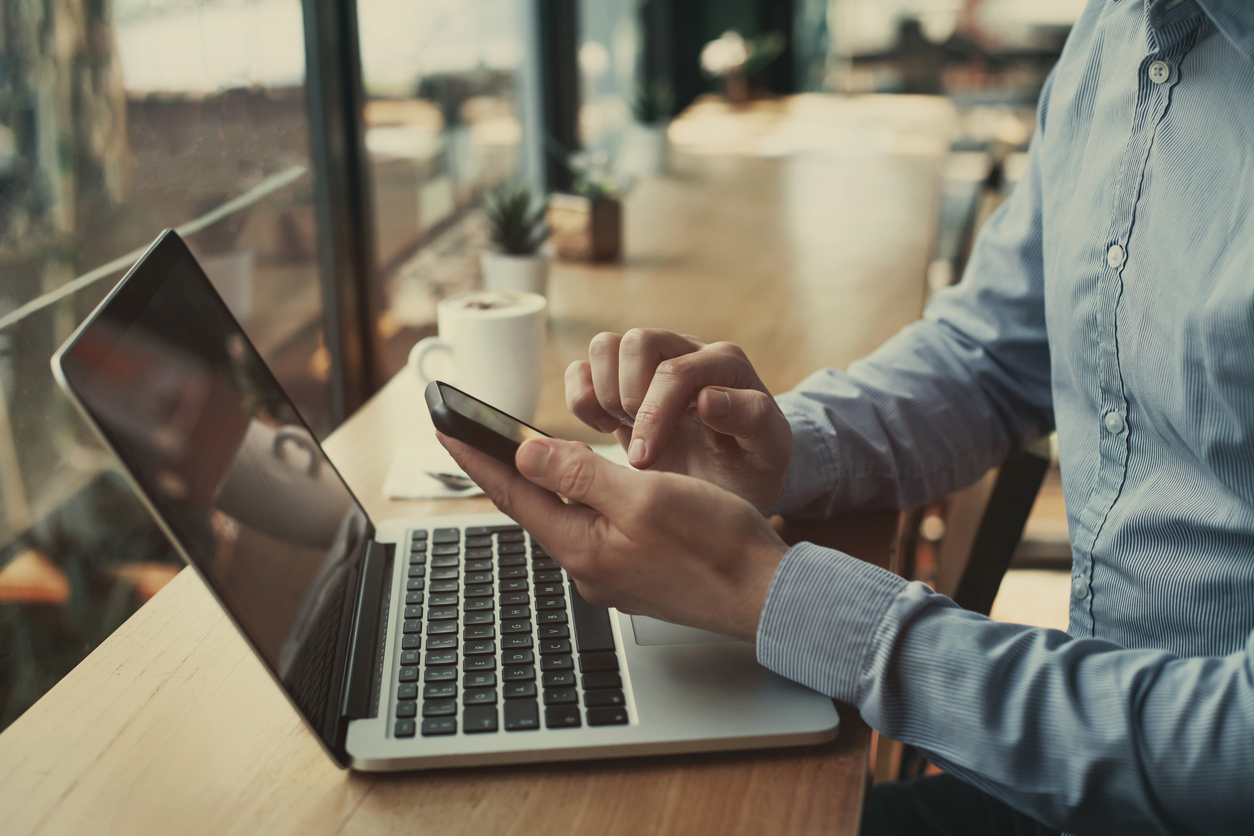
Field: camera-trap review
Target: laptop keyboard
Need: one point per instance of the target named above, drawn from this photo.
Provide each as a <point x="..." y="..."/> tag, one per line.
<point x="487" y="640"/>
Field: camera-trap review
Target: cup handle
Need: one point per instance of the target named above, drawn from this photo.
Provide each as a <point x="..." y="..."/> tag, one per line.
<point x="418" y="355"/>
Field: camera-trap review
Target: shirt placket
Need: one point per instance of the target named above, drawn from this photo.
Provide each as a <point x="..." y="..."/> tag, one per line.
<point x="1157" y="75"/>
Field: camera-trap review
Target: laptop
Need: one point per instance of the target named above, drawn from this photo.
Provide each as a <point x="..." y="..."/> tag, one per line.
<point x="408" y="643"/>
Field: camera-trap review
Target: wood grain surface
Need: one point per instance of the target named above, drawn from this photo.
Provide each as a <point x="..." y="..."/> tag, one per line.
<point x="172" y="726"/>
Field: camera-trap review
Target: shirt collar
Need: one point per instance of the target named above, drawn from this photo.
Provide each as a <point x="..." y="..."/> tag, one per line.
<point x="1235" y="19"/>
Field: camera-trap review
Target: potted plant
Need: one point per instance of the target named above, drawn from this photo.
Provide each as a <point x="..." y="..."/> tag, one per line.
<point x="645" y="154"/>
<point x="587" y="224"/>
<point x="517" y="230"/>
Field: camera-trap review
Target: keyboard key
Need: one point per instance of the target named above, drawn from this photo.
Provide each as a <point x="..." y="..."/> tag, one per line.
<point x="592" y="625"/>
<point x="551" y="603"/>
<point x="515" y="612"/>
<point x="445" y="560"/>
<point x="446" y="535"/>
<point x="441" y="613"/>
<point x="477" y="719"/>
<point x="517" y="640"/>
<point x="545" y="589"/>
<point x="516" y="627"/>
<point x="415" y="611"/>
<point x="416" y="558"/>
<point x="562" y="717"/>
<point x="443" y="586"/>
<point x="413" y="598"/>
<point x="551" y="646"/>
<point x="511" y="548"/>
<point x="514" y="585"/>
<point x="477" y="648"/>
<point x="410" y="657"/>
<point x="479" y="631"/>
<point x="419" y="535"/>
<point x="560" y="696"/>
<point x="514" y="572"/>
<point x="477" y="542"/>
<point x="478" y="604"/>
<point x="557" y="679"/>
<point x="442" y="642"/>
<point x="512" y="598"/>
<point x="479" y="531"/>
<point x="479" y="554"/>
<point x="441" y="628"/>
<point x="439" y="708"/>
<point x="405" y="728"/>
<point x="439" y="674"/>
<point x="544" y="564"/>
<point x="478" y="577"/>
<point x="521" y="715"/>
<point x="409" y="673"/>
<point x="604" y="699"/>
<point x="407" y="708"/>
<point x="593" y="662"/>
<point x="439" y="691"/>
<point x="443" y="599"/>
<point x="440" y="658"/>
<point x="553" y="631"/>
<point x="516" y="690"/>
<point x="547" y="577"/>
<point x="479" y="590"/>
<point x="507" y="529"/>
<point x="417" y="571"/>
<point x="414" y="584"/>
<point x="512" y="560"/>
<point x="478" y="565"/>
<point x="594" y="681"/>
<point x="514" y="535"/>
<point x="448" y="573"/>
<point x="479" y="679"/>
<point x="408" y="691"/>
<point x="607" y="716"/>
<point x="411" y="642"/>
<point x="556" y="663"/>
<point x="479" y="663"/>
<point x="439" y="725"/>
<point x="479" y="696"/>
<point x="412" y="626"/>
<point x="519" y="673"/>
<point x="517" y="656"/>
<point x="445" y="549"/>
<point x="482" y="617"/>
<point x="551" y="617"/>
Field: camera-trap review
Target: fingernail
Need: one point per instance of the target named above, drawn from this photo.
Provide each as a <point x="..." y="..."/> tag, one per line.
<point x="720" y="404"/>
<point x="608" y="424"/>
<point x="635" y="453"/>
<point x="530" y="459"/>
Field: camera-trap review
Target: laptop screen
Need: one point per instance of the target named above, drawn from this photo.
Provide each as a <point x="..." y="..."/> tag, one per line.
<point x="230" y="468"/>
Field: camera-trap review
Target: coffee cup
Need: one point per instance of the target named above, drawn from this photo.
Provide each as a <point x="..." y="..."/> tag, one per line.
<point x="495" y="342"/>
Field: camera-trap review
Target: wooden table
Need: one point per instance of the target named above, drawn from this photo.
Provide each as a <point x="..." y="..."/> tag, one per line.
<point x="171" y="726"/>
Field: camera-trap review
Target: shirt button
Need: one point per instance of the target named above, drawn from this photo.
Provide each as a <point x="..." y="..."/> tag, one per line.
<point x="1113" y="422"/>
<point x="1159" y="72"/>
<point x="1080" y="588"/>
<point x="1114" y="256"/>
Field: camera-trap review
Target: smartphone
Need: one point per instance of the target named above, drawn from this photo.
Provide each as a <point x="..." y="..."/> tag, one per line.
<point x="478" y="424"/>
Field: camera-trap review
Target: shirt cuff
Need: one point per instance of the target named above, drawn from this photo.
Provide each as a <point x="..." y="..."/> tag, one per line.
<point x="821" y="617"/>
<point x="811" y="470"/>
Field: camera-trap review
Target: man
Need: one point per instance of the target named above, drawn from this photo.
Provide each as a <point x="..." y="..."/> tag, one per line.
<point x="1112" y="299"/>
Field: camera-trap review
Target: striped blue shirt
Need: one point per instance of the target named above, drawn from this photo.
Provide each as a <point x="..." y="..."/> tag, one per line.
<point x="1110" y="298"/>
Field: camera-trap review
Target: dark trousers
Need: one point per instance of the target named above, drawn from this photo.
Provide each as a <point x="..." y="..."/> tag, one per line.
<point x="941" y="805"/>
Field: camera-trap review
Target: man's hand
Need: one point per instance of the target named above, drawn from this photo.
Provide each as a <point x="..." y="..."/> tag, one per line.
<point x="648" y="543"/>
<point x="680" y="405"/>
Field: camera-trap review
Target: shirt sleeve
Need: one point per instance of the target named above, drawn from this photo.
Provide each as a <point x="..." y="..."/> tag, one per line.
<point x="1081" y="734"/>
<point x="949" y="397"/>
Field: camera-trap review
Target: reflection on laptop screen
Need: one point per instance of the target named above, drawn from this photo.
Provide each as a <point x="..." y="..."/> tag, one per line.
<point x="221" y="453"/>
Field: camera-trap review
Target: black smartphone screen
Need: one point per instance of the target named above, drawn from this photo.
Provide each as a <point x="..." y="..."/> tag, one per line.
<point x="478" y="424"/>
<point x="488" y="416"/>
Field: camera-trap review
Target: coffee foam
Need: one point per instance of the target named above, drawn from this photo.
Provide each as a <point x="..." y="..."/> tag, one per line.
<point x="494" y="303"/>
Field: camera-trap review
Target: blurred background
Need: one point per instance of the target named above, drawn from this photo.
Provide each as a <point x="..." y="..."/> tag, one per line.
<point x="326" y="161"/>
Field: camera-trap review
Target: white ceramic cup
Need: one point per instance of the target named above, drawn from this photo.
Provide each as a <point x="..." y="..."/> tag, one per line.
<point x="496" y="343"/>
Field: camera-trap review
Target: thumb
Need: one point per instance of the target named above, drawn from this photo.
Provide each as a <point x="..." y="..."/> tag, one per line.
<point x="749" y="416"/>
<point x="572" y="470"/>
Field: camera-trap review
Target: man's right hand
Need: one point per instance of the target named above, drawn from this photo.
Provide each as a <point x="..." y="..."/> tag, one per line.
<point x="681" y="405"/>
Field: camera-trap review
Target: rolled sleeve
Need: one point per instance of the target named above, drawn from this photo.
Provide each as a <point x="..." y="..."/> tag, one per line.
<point x="822" y="615"/>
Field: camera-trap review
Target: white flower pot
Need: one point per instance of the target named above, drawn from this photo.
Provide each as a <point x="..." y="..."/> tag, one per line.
<point x="646" y="150"/>
<point x="518" y="273"/>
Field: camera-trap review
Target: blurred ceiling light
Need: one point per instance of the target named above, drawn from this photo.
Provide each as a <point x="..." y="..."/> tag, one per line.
<point x="727" y="53"/>
<point x="594" y="59"/>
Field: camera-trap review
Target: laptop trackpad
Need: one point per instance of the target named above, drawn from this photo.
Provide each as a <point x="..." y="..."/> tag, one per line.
<point x="650" y="631"/>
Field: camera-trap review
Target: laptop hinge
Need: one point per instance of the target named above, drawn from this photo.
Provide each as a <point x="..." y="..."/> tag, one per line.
<point x="376" y="576"/>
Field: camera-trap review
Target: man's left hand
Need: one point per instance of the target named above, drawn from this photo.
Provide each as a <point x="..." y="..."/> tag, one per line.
<point x="649" y="543"/>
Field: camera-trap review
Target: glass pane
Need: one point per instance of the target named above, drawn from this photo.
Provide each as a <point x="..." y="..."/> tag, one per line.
<point x="446" y="87"/>
<point x="139" y="115"/>
<point x="609" y="48"/>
